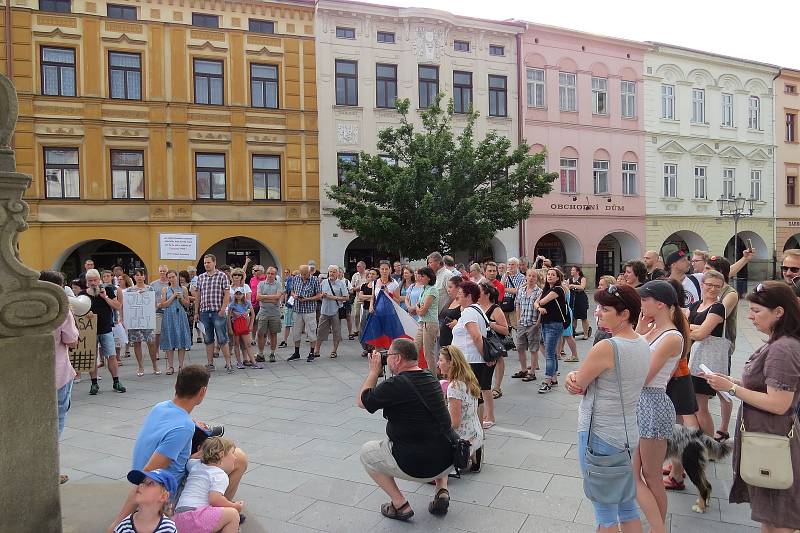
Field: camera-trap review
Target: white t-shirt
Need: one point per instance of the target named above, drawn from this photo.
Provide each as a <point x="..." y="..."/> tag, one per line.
<point x="691" y="291"/>
<point x="201" y="480"/>
<point x="462" y="339"/>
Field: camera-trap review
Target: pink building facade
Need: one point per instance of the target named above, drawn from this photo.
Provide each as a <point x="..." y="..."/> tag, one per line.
<point x="584" y="103"/>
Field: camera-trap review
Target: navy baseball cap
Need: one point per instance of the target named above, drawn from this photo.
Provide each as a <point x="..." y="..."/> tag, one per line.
<point x="674" y="257"/>
<point x="660" y="290"/>
<point x="159" y="475"/>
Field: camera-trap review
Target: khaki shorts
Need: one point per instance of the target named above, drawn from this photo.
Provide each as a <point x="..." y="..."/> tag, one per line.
<point x="268" y="324"/>
<point x="328" y="323"/>
<point x="159" y="318"/>
<point x="528" y="338"/>
<point x="376" y="455"/>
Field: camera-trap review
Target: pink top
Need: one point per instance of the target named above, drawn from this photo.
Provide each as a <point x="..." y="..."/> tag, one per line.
<point x="254" y="281"/>
<point x="67" y="333"/>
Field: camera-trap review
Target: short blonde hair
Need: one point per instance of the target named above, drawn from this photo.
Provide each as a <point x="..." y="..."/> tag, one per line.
<point x="714" y="275"/>
<point x="610" y="280"/>
<point x="214" y="449"/>
<point x="702" y="253"/>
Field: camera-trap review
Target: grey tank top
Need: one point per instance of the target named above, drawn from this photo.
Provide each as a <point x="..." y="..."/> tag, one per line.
<point x="602" y="395"/>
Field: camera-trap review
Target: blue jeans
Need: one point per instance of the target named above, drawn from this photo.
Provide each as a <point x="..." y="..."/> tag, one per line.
<point x="605" y="514"/>
<point x="216" y="327"/>
<point x="63" y="401"/>
<point x="551" y="332"/>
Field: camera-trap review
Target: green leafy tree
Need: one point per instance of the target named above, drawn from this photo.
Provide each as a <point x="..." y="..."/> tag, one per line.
<point x="434" y="190"/>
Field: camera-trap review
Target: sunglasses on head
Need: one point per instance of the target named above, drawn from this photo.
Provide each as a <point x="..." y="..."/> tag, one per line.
<point x="793" y="270"/>
<point x="612" y="289"/>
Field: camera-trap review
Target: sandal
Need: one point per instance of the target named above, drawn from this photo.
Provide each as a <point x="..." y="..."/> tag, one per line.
<point x="572" y="359"/>
<point x="723" y="436"/>
<point x="530" y="377"/>
<point x="63" y="478"/>
<point x="140" y="374"/>
<point x="670" y="483"/>
<point x="396" y="513"/>
<point x="497" y="393"/>
<point x="488" y="424"/>
<point x="520" y="374"/>
<point x="440" y="502"/>
<point x="170" y="371"/>
<point x="333" y="355"/>
<point x="478" y="462"/>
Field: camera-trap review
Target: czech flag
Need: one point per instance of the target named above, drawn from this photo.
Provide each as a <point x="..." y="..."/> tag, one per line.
<point x="388" y="322"/>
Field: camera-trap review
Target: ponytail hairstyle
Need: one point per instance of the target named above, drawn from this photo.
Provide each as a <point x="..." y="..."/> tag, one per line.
<point x="682" y="325"/>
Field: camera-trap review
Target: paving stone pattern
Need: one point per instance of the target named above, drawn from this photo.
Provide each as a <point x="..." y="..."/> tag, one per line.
<point x="302" y="430"/>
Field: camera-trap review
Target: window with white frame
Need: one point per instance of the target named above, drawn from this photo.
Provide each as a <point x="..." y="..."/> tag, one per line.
<point x="670" y="180"/>
<point x="536" y="87"/>
<point x="599" y="96"/>
<point x="755" y="184"/>
<point x="569" y="175"/>
<point x="727" y="110"/>
<point x="699" y="106"/>
<point x="754" y="113"/>
<point x="668" y="101"/>
<point x="629" y="178"/>
<point x="567" y="92"/>
<point x="628" y="99"/>
<point x="600" y="177"/>
<point x="728" y="182"/>
<point x="700" y="190"/>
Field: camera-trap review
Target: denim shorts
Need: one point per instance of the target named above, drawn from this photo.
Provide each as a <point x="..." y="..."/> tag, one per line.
<point x="216" y="327"/>
<point x="606" y="515"/>
<point x="108" y="348"/>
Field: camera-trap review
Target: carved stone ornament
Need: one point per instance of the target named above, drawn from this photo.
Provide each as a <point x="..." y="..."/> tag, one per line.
<point x="27" y="306"/>
<point x="428" y="43"/>
<point x="347" y="133"/>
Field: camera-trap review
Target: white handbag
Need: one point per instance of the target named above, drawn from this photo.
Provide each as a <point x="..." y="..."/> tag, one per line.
<point x="766" y="459"/>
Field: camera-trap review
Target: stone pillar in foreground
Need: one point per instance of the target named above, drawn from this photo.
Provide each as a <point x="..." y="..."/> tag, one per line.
<point x="29" y="311"/>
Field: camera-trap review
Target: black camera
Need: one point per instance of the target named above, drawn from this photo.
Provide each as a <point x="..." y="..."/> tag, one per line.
<point x="384" y="356"/>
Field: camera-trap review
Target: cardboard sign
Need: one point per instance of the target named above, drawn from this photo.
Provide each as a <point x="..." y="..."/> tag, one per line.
<point x="84" y="356"/>
<point x="181" y="246"/>
<point x="139" y="310"/>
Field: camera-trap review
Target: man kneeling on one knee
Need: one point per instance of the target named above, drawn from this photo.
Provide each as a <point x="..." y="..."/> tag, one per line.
<point x="417" y="447"/>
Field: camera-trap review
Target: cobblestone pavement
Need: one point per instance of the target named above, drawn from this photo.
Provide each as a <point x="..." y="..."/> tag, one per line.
<point x="300" y="426"/>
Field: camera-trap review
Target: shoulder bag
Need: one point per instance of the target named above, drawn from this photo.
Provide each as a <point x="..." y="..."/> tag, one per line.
<point x="507" y="305"/>
<point x="766" y="458"/>
<point x="609" y="478"/>
<point x="342" y="311"/>
<point x="565" y="316"/>
<point x="493" y="347"/>
<point x="711" y="351"/>
<point x="461" y="447"/>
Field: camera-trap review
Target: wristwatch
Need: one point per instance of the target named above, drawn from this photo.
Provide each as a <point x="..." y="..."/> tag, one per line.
<point x="732" y="390"/>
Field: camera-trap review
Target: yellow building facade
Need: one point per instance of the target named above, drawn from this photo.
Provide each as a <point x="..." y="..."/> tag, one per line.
<point x="144" y="118"/>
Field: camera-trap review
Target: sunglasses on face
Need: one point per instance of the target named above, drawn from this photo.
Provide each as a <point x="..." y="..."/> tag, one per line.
<point x="793" y="270"/>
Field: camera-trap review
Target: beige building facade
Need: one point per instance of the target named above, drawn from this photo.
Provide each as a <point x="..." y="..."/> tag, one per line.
<point x="787" y="160"/>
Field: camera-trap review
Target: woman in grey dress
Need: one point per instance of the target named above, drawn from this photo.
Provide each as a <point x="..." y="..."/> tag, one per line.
<point x="770" y="393"/>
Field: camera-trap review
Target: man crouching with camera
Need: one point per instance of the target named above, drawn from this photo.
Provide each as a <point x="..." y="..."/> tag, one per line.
<point x="417" y="447"/>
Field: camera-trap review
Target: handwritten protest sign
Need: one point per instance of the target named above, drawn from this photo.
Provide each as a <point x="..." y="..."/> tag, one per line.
<point x="139" y="310"/>
<point x="84" y="356"/>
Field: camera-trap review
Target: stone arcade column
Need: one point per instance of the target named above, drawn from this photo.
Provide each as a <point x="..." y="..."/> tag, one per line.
<point x="29" y="311"/>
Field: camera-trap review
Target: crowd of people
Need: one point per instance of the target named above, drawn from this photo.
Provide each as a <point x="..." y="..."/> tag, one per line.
<point x="665" y="332"/>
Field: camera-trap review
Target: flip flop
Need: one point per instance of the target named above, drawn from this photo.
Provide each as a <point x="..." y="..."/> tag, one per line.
<point x="333" y="355"/>
<point x="140" y="374"/>
<point x="170" y="371"/>
<point x="497" y="393"/>
<point x="488" y="424"/>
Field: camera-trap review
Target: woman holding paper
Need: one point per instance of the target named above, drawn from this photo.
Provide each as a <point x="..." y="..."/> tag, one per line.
<point x="138" y="336"/>
<point x="175" y="333"/>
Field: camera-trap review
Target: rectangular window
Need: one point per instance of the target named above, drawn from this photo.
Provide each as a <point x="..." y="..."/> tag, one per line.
<point x="386" y="37"/>
<point x="127" y="174"/>
<point x="461" y="46"/>
<point x="536" y="87"/>
<point x="700" y="189"/>
<point x="627" y="99"/>
<point x="791" y="127"/>
<point x="345" y="33"/>
<point x="61" y="173"/>
<point x="727" y="110"/>
<point x="385" y="85"/>
<point x="600" y="177"/>
<point x="264" y="85"/>
<point x="261" y="26"/>
<point x="498" y="102"/>
<point x="599" y="96"/>
<point x="790" y="89"/>
<point x="343" y="163"/>
<point x="56" y="6"/>
<point x="670" y="180"/>
<point x="755" y="185"/>
<point x="629" y="178"/>
<point x="428" y="85"/>
<point x="728" y="182"/>
<point x="346" y="82"/>
<point x="754" y="113"/>
<point x="209" y="175"/>
<point x="791" y="190"/>
<point x="125" y="76"/>
<point x="699" y="106"/>
<point x="208" y="82"/>
<point x="462" y="91"/>
<point x="569" y="175"/>
<point x="497" y="50"/>
<point x="204" y="20"/>
<point x="116" y="11"/>
<point x="567" y="92"/>
<point x="266" y="177"/>
<point x="668" y="102"/>
<point x="58" y="71"/>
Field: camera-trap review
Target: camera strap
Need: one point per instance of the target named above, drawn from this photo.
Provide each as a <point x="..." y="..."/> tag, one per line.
<point x="449" y="432"/>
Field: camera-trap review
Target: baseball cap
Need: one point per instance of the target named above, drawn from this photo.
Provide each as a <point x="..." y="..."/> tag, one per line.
<point x="674" y="257"/>
<point x="660" y="290"/>
<point x="159" y="475"/>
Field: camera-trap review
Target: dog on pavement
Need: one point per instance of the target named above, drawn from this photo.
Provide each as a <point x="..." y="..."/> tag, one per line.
<point x="694" y="449"/>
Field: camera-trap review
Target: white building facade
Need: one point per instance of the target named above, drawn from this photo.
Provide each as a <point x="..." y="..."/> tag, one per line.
<point x="367" y="54"/>
<point x="709" y="131"/>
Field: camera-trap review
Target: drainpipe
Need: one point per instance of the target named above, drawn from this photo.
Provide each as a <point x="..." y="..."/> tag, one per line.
<point x="521" y="124"/>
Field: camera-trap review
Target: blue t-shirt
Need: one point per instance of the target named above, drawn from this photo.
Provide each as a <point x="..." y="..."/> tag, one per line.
<point x="168" y="430"/>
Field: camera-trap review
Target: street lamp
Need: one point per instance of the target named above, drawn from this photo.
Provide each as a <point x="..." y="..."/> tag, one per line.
<point x="735" y="208"/>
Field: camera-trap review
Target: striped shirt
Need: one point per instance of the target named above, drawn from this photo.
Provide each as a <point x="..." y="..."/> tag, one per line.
<point x="528" y="315"/>
<point x="165" y="525"/>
